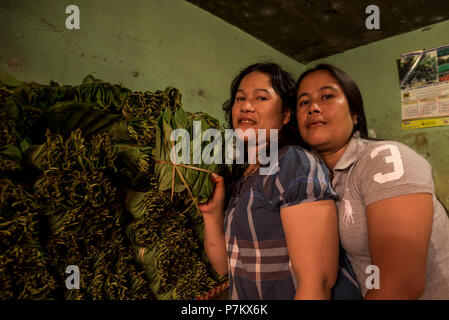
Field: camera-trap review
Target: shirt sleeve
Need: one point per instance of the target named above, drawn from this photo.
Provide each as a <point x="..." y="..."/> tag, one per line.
<point x="390" y="169"/>
<point x="301" y="177"/>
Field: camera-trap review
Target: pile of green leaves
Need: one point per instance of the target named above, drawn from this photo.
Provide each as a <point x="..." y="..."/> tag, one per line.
<point x="85" y="216"/>
<point x="167" y="233"/>
<point x="69" y="156"/>
<point x="23" y="272"/>
<point x="166" y="246"/>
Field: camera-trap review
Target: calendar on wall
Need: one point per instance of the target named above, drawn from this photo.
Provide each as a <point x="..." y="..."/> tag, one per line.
<point x="424" y="79"/>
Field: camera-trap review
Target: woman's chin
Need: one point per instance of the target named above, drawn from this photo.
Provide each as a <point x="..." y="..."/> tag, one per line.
<point x="246" y="133"/>
<point x="316" y="140"/>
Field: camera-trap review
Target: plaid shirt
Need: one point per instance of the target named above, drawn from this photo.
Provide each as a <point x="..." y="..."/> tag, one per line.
<point x="258" y="260"/>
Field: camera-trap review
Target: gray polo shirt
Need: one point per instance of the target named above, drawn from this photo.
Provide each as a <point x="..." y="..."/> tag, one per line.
<point x="370" y="171"/>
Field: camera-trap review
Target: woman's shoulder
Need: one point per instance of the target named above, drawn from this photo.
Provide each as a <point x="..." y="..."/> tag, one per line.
<point x="390" y="168"/>
<point x="381" y="150"/>
<point x="292" y="152"/>
<point x="295" y="159"/>
<point x="300" y="175"/>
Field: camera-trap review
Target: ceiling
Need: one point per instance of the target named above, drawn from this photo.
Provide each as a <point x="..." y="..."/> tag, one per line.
<point x="307" y="30"/>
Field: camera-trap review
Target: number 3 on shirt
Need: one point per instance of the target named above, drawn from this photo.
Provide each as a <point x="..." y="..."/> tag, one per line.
<point x="395" y="158"/>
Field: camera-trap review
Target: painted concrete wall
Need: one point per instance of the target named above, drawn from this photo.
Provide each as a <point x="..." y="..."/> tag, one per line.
<point x="148" y="45"/>
<point x="374" y="69"/>
<point x="145" y="45"/>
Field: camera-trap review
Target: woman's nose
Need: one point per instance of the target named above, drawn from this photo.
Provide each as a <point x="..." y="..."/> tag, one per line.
<point x="247" y="106"/>
<point x="314" y="108"/>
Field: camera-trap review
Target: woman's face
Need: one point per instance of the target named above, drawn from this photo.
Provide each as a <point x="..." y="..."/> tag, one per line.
<point x="323" y="114"/>
<point x="257" y="105"/>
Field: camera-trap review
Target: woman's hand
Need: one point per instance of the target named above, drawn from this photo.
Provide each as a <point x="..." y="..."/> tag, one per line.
<point x="215" y="205"/>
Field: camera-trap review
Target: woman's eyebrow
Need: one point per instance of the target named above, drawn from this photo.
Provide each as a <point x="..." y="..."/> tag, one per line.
<point x="302" y="95"/>
<point x="328" y="87"/>
<point x="321" y="89"/>
<point x="263" y="90"/>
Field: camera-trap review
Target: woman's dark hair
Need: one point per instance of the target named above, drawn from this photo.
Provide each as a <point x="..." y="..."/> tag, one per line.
<point x="284" y="85"/>
<point x="351" y="91"/>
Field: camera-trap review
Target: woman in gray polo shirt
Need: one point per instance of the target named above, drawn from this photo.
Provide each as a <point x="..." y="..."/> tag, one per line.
<point x="393" y="228"/>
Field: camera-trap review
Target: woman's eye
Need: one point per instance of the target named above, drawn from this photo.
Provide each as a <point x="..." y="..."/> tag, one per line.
<point x="239" y="98"/>
<point x="262" y="98"/>
<point x="303" y="103"/>
<point x="327" y="96"/>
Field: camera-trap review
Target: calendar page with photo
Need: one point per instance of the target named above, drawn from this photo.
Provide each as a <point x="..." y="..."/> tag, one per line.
<point x="424" y="80"/>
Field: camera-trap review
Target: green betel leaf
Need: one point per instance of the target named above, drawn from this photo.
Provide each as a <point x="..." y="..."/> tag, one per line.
<point x="66" y="117"/>
<point x="135" y="204"/>
<point x="134" y="166"/>
<point x="10" y="161"/>
<point x="109" y="97"/>
<point x="12" y="153"/>
<point x="197" y="181"/>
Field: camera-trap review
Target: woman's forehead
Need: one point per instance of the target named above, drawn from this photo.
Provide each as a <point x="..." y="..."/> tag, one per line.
<point x="317" y="80"/>
<point x="256" y="81"/>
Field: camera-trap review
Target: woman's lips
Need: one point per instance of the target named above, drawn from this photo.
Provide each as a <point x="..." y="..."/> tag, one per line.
<point x="247" y="122"/>
<point x="315" y="124"/>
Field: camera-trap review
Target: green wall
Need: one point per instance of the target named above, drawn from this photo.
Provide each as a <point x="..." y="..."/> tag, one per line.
<point x="374" y="68"/>
<point x="146" y="45"/>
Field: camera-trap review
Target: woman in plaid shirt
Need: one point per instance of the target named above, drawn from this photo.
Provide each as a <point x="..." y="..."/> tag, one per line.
<point x="278" y="237"/>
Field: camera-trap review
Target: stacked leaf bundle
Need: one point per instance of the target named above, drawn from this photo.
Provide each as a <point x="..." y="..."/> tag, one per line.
<point x="168" y="231"/>
<point x="77" y="193"/>
<point x="23" y="272"/>
<point x="78" y="150"/>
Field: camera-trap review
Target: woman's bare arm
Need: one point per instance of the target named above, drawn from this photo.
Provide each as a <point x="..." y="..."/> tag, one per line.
<point x="311" y="232"/>
<point x="399" y="232"/>
<point x="213" y="216"/>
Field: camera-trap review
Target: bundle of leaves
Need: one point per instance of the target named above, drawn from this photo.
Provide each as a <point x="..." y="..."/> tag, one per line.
<point x="73" y="151"/>
<point x="23" y="263"/>
<point x="4" y="94"/>
<point x="167" y="233"/>
<point x="10" y="153"/>
<point x="108" y="97"/>
<point x="186" y="175"/>
<point x="28" y="105"/>
<point x="35" y="107"/>
<point x="77" y="193"/>
<point x="166" y="246"/>
<point x="135" y="137"/>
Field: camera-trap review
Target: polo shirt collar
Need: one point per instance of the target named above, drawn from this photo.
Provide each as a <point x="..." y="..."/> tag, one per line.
<point x="351" y="153"/>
